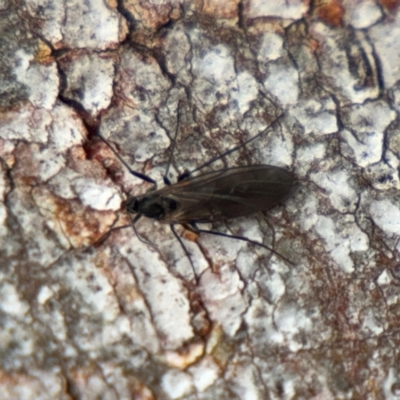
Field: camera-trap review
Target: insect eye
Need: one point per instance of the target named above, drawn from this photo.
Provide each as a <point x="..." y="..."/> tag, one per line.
<point x="172" y="204"/>
<point x="132" y="205"/>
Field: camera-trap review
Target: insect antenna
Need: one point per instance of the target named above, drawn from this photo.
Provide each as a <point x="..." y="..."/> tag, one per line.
<point x="126" y="165"/>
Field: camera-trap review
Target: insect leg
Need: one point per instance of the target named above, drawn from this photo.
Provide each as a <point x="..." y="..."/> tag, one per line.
<point x="133" y="221"/>
<point x="104" y="237"/>
<point x="199" y="230"/>
<point x="212" y="160"/>
<point x="184" y="249"/>
<point x="171" y="153"/>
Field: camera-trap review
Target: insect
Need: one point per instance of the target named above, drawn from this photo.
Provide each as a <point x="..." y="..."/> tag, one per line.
<point x="210" y="197"/>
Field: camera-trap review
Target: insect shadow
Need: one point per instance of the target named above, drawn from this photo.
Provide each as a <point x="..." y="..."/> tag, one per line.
<point x="209" y="197"/>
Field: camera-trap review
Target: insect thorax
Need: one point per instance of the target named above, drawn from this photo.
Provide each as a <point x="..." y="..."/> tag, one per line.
<point x="151" y="206"/>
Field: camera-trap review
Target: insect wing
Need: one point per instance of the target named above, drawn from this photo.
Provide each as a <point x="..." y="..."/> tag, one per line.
<point x="227" y="193"/>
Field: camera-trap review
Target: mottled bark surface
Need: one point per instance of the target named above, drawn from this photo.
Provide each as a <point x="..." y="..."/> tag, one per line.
<point x="90" y="312"/>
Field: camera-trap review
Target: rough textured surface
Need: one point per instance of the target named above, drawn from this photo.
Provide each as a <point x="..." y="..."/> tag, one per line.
<point x="87" y="311"/>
